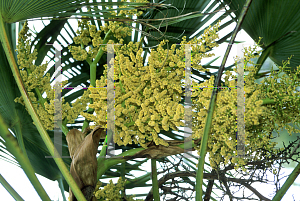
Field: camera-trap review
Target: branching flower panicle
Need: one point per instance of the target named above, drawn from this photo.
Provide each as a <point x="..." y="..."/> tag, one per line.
<point x="112" y="192"/>
<point x="36" y="83"/>
<point x="147" y="98"/>
<point x="258" y="122"/>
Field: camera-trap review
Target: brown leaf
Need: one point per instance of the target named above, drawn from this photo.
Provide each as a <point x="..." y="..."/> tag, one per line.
<point x="88" y="130"/>
<point x="159" y="151"/>
<point x="84" y="162"/>
<point x="74" y="138"/>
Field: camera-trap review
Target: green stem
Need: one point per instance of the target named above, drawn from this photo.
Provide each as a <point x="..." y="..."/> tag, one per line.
<point x="154" y="180"/>
<point x="90" y="111"/>
<point x="267" y="101"/>
<point x="123" y="178"/>
<point x="187" y="144"/>
<point x="93" y="71"/>
<point x="201" y="161"/>
<point x="13" y="147"/>
<point x="93" y="66"/>
<point x="10" y="189"/>
<point x="290" y="180"/>
<point x="264" y="55"/>
<point x="61" y="187"/>
<point x="14" y="68"/>
<point x="103" y="150"/>
<point x="89" y="61"/>
<point x="104" y="164"/>
<point x="64" y="127"/>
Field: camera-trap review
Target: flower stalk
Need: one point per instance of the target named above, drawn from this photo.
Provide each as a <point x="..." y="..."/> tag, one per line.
<point x="154" y="180"/>
<point x="10" y="189"/>
<point x="290" y="180"/>
<point x="12" y="145"/>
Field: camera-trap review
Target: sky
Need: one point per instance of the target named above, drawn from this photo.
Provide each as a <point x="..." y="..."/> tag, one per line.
<point x="18" y="180"/>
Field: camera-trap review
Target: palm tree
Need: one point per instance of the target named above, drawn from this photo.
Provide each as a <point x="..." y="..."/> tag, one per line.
<point x="31" y="143"/>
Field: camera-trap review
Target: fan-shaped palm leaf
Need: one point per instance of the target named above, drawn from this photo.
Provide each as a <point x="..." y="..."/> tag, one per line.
<point x="278" y="23"/>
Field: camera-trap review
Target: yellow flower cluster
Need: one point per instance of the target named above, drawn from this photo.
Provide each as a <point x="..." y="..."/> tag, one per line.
<point x="117" y="29"/>
<point x="122" y="29"/>
<point x="147" y="98"/>
<point x="131" y="12"/>
<point x="206" y="42"/>
<point x="87" y="33"/>
<point x="260" y="120"/>
<point x="111" y="192"/>
<point x="30" y="72"/>
<point x="36" y="83"/>
<point x="283" y="90"/>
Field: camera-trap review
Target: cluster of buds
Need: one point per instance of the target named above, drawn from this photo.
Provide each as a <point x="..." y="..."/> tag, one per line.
<point x="112" y="192"/>
<point x="261" y="117"/>
<point x="147" y="98"/>
<point x="36" y="83"/>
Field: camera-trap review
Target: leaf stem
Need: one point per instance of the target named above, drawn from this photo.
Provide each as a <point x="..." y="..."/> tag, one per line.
<point x="13" y="147"/>
<point x="154" y="180"/>
<point x="10" y="189"/>
<point x="104" y="163"/>
<point x="290" y="180"/>
<point x="93" y="66"/>
<point x="61" y="187"/>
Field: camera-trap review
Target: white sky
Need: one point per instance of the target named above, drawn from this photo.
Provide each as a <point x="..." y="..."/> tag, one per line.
<point x="18" y="180"/>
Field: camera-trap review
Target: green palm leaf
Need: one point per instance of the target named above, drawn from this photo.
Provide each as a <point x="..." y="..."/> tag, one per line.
<point x="278" y="23"/>
<point x="14" y="11"/>
<point x="175" y="29"/>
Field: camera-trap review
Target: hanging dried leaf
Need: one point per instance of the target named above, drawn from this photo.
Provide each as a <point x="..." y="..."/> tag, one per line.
<point x="88" y="130"/>
<point x="159" y="151"/>
<point x="84" y="162"/>
<point x="74" y="138"/>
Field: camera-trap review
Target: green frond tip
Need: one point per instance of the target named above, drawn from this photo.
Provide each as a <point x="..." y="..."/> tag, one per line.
<point x="37" y="9"/>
